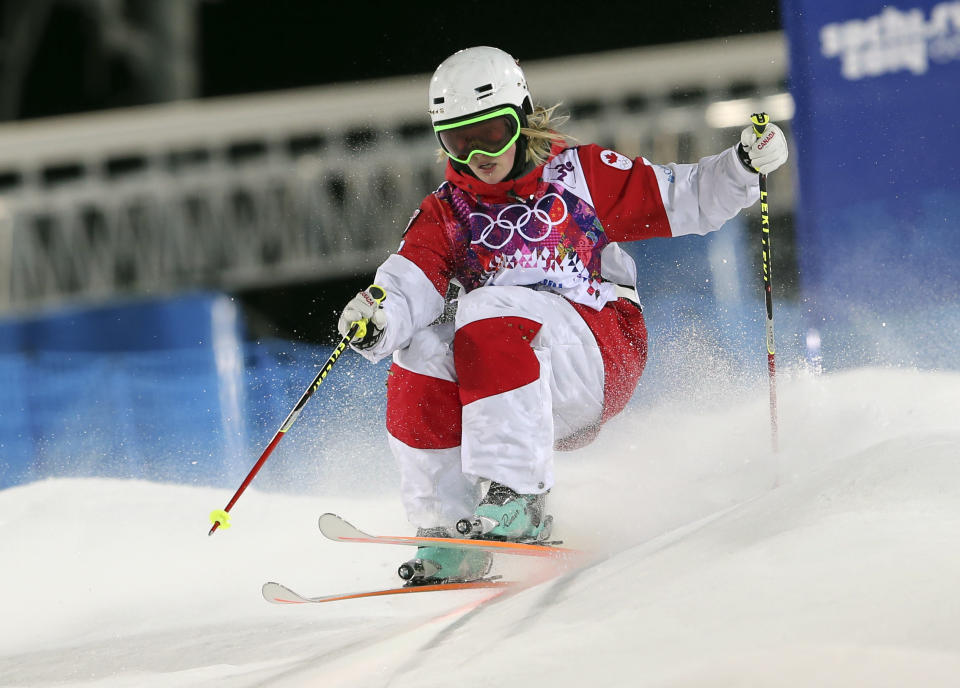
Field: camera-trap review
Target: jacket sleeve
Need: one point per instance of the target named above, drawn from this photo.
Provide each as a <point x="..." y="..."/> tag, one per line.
<point x="415" y="280"/>
<point x="636" y="199"/>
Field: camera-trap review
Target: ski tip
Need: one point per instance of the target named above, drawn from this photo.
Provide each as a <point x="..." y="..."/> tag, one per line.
<point x="280" y="594"/>
<point x="328" y="520"/>
<point x="336" y="528"/>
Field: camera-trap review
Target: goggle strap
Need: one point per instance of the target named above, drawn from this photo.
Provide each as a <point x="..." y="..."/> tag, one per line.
<point x="437" y="128"/>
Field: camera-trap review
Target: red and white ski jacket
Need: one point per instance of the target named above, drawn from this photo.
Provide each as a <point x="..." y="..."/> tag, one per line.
<point x="556" y="228"/>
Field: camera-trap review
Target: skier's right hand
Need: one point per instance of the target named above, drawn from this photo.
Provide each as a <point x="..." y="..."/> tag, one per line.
<point x="365" y="308"/>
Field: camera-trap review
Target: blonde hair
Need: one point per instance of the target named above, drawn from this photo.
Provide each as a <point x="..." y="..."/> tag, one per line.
<point x="541" y="132"/>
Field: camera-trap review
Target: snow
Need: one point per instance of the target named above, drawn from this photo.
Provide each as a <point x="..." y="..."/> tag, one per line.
<point x="713" y="562"/>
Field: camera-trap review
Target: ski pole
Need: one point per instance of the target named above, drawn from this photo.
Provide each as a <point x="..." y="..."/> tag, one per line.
<point x="221" y="517"/>
<point x="760" y="122"/>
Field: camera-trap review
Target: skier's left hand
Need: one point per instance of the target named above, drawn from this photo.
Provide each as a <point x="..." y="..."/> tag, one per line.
<point x="364" y="308"/>
<point x="764" y="154"/>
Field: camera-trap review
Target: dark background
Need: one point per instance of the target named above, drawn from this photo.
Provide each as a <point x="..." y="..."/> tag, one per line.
<point x="243" y="46"/>
<point x="312" y="42"/>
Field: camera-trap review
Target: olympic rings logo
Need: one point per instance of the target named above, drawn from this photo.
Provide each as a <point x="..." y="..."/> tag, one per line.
<point x="519" y="223"/>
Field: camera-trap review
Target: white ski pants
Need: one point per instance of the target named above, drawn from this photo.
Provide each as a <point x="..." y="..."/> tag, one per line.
<point x="488" y="396"/>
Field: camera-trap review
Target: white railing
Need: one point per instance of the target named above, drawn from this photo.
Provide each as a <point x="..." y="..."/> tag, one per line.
<point x="316" y="184"/>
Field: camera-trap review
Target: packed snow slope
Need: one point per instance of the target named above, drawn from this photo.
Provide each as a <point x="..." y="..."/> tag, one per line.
<point x="714" y="563"/>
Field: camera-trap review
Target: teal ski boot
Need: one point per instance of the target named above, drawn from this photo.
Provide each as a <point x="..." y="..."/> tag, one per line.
<point x="435" y="564"/>
<point x="506" y="515"/>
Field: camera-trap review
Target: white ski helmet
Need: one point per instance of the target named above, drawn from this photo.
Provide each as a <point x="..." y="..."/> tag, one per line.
<point x="477" y="80"/>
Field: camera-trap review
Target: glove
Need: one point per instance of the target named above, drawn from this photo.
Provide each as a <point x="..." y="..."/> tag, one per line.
<point x="365" y="309"/>
<point x="764" y="154"/>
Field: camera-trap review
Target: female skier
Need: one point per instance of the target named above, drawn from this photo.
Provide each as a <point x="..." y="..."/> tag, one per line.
<point x="548" y="341"/>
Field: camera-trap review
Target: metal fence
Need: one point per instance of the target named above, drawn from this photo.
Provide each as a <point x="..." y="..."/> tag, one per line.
<point x="316" y="184"/>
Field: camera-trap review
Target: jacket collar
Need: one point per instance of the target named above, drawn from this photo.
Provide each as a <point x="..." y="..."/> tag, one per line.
<point x="523" y="187"/>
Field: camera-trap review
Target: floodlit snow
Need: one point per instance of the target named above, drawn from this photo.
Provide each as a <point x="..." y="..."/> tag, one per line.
<point x="715" y="563"/>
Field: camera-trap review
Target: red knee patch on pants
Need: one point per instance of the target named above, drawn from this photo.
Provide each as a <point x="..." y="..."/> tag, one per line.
<point x="493" y="356"/>
<point x="622" y="337"/>
<point x="422" y="411"/>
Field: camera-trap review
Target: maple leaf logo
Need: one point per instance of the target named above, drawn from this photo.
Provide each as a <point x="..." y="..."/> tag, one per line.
<point x="615" y="159"/>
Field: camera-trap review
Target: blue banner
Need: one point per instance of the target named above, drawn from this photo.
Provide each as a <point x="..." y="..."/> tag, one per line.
<point x="877" y="91"/>
<point x="168" y="390"/>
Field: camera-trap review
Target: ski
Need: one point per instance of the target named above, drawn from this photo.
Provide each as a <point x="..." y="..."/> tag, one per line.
<point x="281" y="594"/>
<point x="339" y="530"/>
<point x="335" y="528"/>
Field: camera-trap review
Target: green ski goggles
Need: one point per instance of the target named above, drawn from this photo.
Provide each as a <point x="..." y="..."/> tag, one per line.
<point x="490" y="134"/>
